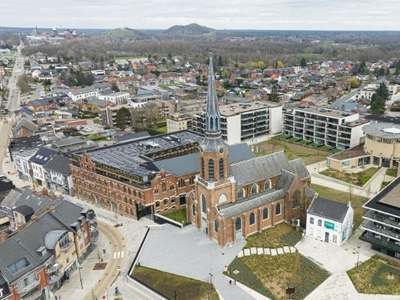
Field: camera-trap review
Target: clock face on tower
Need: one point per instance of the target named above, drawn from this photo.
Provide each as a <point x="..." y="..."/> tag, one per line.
<point x="222" y="198"/>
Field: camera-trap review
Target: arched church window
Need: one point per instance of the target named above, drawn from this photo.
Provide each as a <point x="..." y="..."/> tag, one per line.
<point x="216" y="225"/>
<point x="252" y="218"/>
<point x="267" y="185"/>
<point x="203" y="204"/>
<point x="254" y="189"/>
<point x="278" y="209"/>
<point x="265" y="213"/>
<point x="240" y="193"/>
<point x="296" y="199"/>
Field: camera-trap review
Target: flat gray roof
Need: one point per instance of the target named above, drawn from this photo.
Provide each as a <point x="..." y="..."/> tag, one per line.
<point x="131" y="157"/>
<point x="383" y="130"/>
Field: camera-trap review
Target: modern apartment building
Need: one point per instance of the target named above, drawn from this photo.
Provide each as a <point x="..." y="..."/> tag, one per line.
<point x="382" y="220"/>
<point x="250" y="122"/>
<point x="333" y="128"/>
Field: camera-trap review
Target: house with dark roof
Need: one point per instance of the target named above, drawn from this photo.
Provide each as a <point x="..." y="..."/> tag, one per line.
<point x="58" y="175"/>
<point x="42" y="104"/>
<point x="330" y="221"/>
<point x="37" y="162"/>
<point x="24" y="127"/>
<point x="381" y="223"/>
<point x="46" y="250"/>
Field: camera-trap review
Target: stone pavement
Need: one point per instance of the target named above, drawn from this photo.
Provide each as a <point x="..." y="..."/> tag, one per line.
<point x="188" y="252"/>
<point x="266" y="251"/>
<point x="338" y="260"/>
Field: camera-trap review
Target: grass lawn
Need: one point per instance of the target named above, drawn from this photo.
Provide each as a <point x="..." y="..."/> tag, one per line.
<point x="270" y="275"/>
<point x="392" y="172"/>
<point x="359" y="178"/>
<point x="356" y="201"/>
<point x="376" y="276"/>
<point x="166" y="283"/>
<point x="177" y="215"/>
<point x="292" y="151"/>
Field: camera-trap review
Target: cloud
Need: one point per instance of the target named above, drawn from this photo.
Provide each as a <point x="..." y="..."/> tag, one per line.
<point x="233" y="14"/>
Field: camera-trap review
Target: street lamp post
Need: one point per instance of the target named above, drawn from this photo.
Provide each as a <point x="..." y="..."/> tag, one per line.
<point x="175" y="295"/>
<point x="358" y="258"/>
<point x="211" y="282"/>
<point x="80" y="276"/>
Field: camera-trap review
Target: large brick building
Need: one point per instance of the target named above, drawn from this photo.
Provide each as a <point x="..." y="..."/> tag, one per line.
<point x="227" y="191"/>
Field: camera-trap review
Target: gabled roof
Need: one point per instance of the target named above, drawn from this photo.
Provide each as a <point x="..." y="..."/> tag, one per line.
<point x="328" y="209"/>
<point x="259" y="168"/>
<point x="43" y="155"/>
<point x="286" y="180"/>
<point x="25" y="123"/>
<point x="298" y="167"/>
<point x="38" y="203"/>
<point x="60" y="164"/>
<point x="24" y="210"/>
<point x="249" y="203"/>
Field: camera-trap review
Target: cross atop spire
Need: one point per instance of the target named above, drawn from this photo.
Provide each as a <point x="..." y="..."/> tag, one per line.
<point x="213" y="118"/>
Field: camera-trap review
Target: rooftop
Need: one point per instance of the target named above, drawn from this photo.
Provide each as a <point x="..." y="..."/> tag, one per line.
<point x="387" y="200"/>
<point x="237" y="108"/>
<point x="384" y="130"/>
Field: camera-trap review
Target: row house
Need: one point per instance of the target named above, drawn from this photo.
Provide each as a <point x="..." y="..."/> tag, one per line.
<point x="82" y="93"/>
<point x="47" y="248"/>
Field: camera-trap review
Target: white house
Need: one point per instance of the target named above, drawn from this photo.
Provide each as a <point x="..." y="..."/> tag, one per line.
<point x="58" y="175"/>
<point x="37" y="162"/>
<point x="21" y="163"/>
<point x="82" y="93"/>
<point x="116" y="98"/>
<point x="329" y="221"/>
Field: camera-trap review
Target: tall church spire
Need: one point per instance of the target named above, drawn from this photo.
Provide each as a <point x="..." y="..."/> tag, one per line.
<point x="213" y="118"/>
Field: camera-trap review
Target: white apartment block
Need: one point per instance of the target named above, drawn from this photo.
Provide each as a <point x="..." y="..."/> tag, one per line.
<point x="251" y="122"/>
<point x="116" y="98"/>
<point x="82" y="93"/>
<point x="333" y="128"/>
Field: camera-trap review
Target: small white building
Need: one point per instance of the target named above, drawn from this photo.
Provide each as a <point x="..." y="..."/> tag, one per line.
<point x="329" y="221"/>
<point x="117" y="98"/>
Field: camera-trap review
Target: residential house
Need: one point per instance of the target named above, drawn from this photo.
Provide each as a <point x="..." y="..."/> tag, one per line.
<point x="37" y="163"/>
<point x="83" y="93"/>
<point x="44" y="104"/>
<point x="330" y="221"/>
<point x="116" y="98"/>
<point x="24" y="128"/>
<point x="58" y="175"/>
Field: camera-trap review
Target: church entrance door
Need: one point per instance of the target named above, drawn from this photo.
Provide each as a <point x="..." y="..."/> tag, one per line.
<point x="204" y="225"/>
<point x="238" y="228"/>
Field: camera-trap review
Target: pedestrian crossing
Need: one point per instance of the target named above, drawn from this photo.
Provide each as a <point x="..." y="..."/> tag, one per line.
<point x="119" y="254"/>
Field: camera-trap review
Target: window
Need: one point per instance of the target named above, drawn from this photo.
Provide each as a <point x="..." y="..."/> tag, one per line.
<point x="216" y="225"/>
<point x="203" y="204"/>
<point x="181" y="182"/>
<point x="240" y="193"/>
<point x="278" y="209"/>
<point x="221" y="168"/>
<point x="252" y="219"/>
<point x="171" y="187"/>
<point x="157" y="203"/>
<point x="155" y="191"/>
<point x="211" y="169"/>
<point x="182" y="199"/>
<point x="319" y="222"/>
<point x="202" y="167"/>
<point x="254" y="189"/>
<point x="296" y="199"/>
<point x="165" y="201"/>
<point x="267" y="185"/>
<point x="265" y="213"/>
<point x="311" y="220"/>
<point x="193" y="209"/>
<point x="172" y="200"/>
<point x="164" y="187"/>
<point x="191" y="180"/>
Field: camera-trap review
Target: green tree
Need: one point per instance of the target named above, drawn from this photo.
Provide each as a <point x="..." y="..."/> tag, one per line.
<point x="220" y="62"/>
<point x="303" y="62"/>
<point x="362" y="69"/>
<point x="123" y="118"/>
<point x="114" y="87"/>
<point x="274" y="96"/>
<point x="169" y="56"/>
<point x="225" y="74"/>
<point x="377" y="105"/>
<point x="279" y="64"/>
<point x="354" y="83"/>
<point x="383" y="92"/>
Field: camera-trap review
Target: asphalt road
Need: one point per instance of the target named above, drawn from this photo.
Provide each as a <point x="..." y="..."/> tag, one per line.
<point x="338" y="104"/>
<point x="112" y="271"/>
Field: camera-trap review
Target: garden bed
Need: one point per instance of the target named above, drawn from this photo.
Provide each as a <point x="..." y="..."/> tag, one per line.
<point x="359" y="178"/>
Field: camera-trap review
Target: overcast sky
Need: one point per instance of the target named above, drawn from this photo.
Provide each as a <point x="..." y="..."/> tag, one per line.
<point x="218" y="14"/>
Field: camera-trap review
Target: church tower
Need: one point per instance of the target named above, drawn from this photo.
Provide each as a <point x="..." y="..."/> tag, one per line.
<point x="213" y="185"/>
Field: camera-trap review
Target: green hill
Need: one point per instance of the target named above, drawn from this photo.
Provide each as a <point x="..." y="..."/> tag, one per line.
<point x="123" y="34"/>
<point x="189" y="30"/>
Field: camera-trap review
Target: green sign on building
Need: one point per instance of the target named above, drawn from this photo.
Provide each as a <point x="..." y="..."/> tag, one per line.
<point x="329" y="225"/>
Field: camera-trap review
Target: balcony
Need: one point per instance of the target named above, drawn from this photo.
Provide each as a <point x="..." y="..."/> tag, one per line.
<point x="381" y="229"/>
<point x="53" y="268"/>
<point x="33" y="296"/>
<point x="382" y="219"/>
<point x="384" y="243"/>
<point x="65" y="245"/>
<point x="29" y="286"/>
<point x="92" y="218"/>
<point x="55" y="277"/>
